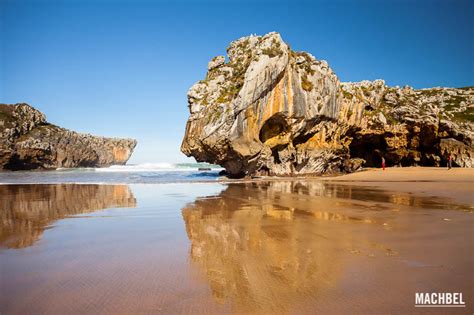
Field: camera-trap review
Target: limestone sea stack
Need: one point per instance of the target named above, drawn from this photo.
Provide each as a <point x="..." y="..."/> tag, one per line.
<point x="268" y="110"/>
<point x="28" y="141"/>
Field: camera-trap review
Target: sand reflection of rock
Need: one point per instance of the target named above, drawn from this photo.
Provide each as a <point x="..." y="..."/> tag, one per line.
<point x="258" y="255"/>
<point x="27" y="210"/>
<point x="276" y="246"/>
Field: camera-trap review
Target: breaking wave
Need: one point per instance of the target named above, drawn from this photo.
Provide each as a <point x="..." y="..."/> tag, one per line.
<point x="159" y="167"/>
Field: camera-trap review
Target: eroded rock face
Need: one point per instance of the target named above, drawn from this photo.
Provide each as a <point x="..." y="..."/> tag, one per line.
<point x="28" y="141"/>
<point x="272" y="111"/>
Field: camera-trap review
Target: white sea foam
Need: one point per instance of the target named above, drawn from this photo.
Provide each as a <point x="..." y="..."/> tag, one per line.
<point x="156" y="167"/>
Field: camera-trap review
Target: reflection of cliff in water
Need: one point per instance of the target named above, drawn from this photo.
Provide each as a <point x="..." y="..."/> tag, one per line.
<point x="259" y="255"/>
<point x="27" y="210"/>
<point x="278" y="246"/>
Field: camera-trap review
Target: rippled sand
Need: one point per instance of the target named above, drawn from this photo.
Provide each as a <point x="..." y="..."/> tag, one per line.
<point x="276" y="247"/>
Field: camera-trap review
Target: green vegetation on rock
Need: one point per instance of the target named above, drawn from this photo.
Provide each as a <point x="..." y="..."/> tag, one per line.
<point x="274" y="50"/>
<point x="305" y="83"/>
<point x="347" y="94"/>
<point x="467" y="115"/>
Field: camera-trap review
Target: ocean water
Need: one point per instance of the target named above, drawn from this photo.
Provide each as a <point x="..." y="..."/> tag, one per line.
<point x="147" y="173"/>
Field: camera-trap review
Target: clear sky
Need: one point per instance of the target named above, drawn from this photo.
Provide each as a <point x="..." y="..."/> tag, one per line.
<point x="122" y="68"/>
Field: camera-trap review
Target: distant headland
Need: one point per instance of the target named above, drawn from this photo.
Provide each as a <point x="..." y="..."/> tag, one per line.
<point x="28" y="141"/>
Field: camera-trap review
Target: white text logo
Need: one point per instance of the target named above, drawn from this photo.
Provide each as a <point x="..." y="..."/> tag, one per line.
<point x="445" y="299"/>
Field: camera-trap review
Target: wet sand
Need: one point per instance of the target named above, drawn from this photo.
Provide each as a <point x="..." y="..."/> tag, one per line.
<point x="356" y="244"/>
<point x="456" y="183"/>
<point x="409" y="174"/>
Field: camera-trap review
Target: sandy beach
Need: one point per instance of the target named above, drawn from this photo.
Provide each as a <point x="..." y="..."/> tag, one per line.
<point x="456" y="183"/>
<point x="360" y="243"/>
<point x="409" y="174"/>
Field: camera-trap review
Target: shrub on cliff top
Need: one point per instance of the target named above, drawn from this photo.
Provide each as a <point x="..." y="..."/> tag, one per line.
<point x="274" y="50"/>
<point x="347" y="94"/>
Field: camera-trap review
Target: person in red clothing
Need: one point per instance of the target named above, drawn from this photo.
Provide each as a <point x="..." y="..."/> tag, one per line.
<point x="450" y="162"/>
<point x="383" y="163"/>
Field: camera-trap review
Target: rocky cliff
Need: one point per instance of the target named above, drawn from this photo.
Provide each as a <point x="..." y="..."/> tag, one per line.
<point x="28" y="141"/>
<point x="269" y="110"/>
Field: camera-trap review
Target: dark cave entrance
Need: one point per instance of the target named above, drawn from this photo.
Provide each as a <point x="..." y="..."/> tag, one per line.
<point x="17" y="164"/>
<point x="370" y="147"/>
<point x="273" y="127"/>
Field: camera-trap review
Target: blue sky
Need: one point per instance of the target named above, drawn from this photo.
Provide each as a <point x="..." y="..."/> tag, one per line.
<point x="122" y="68"/>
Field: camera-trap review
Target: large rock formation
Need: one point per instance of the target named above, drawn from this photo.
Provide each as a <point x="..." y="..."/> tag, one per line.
<point x="27" y="141"/>
<point x="270" y="110"/>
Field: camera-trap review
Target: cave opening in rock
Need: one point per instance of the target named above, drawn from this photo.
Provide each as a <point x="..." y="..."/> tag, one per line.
<point x="18" y="164"/>
<point x="302" y="138"/>
<point x="273" y="127"/>
<point x="263" y="171"/>
<point x="276" y="155"/>
<point x="369" y="147"/>
<point x="86" y="163"/>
